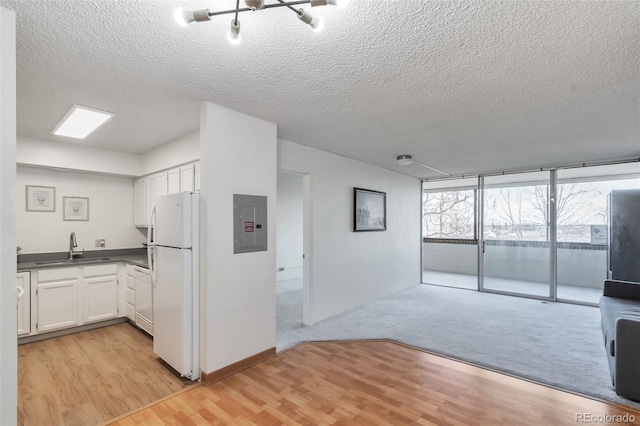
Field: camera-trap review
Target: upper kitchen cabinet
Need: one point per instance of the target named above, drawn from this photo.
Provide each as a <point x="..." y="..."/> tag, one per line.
<point x="162" y="180"/>
<point x="140" y="203"/>
<point x="187" y="175"/>
<point x="173" y="181"/>
<point x="147" y="189"/>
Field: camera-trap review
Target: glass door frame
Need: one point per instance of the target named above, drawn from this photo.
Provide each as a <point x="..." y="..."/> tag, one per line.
<point x="553" y="236"/>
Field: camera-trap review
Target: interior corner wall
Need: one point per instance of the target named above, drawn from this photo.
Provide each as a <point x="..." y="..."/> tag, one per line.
<point x="8" y="292"/>
<point x="185" y="149"/>
<point x="110" y="212"/>
<point x="352" y="268"/>
<point x="289" y="221"/>
<point x="238" y="156"/>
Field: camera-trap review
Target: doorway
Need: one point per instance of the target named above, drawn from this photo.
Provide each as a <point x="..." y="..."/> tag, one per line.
<point x="292" y="275"/>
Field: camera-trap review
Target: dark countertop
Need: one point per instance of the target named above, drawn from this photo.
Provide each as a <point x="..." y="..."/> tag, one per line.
<point x="29" y="262"/>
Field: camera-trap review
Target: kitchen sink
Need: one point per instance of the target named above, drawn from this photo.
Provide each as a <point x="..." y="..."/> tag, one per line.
<point x="74" y="261"/>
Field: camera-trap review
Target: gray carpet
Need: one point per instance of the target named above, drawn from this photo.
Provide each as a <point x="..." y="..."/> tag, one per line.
<point x="552" y="343"/>
<point x="288" y="305"/>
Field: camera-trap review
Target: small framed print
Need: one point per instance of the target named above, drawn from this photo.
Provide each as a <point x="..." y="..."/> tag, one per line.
<point x="75" y="208"/>
<point x="40" y="198"/>
<point x="370" y="210"/>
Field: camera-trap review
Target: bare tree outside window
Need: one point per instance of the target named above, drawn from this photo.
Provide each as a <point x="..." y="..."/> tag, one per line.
<point x="448" y="214"/>
<point x="521" y="212"/>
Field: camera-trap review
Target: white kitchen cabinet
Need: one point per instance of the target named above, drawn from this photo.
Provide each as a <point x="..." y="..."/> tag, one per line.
<point x="57" y="299"/>
<point x="100" y="288"/>
<point x="140" y="211"/>
<point x="187" y="175"/>
<point x="149" y="188"/>
<point x="152" y="194"/>
<point x="24" y="303"/>
<point x="162" y="180"/>
<point x="173" y="181"/>
<point x="69" y="297"/>
<point x="130" y="294"/>
<point x="196" y="175"/>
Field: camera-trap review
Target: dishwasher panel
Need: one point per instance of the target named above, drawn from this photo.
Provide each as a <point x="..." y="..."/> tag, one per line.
<point x="144" y="300"/>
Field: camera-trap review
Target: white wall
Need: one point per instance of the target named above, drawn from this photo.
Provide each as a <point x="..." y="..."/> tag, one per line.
<point x="8" y="320"/>
<point x="185" y="149"/>
<point x="110" y="212"/>
<point x="289" y="238"/>
<point x="238" y="299"/>
<point x="35" y="152"/>
<point x="351" y="268"/>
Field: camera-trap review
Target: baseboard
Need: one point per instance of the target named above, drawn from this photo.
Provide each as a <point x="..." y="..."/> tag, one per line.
<point x="236" y="367"/>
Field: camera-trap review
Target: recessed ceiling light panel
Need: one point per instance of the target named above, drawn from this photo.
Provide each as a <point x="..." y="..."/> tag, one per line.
<point x="80" y="121"/>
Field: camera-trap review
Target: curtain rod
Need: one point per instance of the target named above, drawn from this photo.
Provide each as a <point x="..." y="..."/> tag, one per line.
<point x="539" y="169"/>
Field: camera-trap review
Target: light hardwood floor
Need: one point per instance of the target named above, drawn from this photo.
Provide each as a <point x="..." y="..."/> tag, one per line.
<point x="369" y="383"/>
<point x="90" y="377"/>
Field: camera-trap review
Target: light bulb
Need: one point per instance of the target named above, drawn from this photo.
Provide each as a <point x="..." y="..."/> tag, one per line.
<point x="340" y="3"/>
<point x="317" y="24"/>
<point x="234" y="35"/>
<point x="182" y="17"/>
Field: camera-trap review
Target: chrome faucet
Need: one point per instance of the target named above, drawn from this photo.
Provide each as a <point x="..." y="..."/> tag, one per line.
<point x="72" y="244"/>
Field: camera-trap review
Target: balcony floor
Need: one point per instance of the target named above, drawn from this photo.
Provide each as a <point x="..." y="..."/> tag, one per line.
<point x="565" y="292"/>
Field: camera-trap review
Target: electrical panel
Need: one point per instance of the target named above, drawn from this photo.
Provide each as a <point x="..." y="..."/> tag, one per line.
<point x="249" y="223"/>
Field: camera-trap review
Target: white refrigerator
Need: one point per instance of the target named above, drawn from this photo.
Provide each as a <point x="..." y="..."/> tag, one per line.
<point x="173" y="250"/>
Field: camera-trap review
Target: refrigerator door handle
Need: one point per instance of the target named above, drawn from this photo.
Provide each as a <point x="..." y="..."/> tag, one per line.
<point x="150" y="244"/>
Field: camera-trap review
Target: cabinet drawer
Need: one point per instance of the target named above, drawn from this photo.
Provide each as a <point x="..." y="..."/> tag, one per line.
<point x="97" y="270"/>
<point x="57" y="274"/>
<point x="131" y="296"/>
<point x="144" y="324"/>
<point x="130" y="270"/>
<point x="130" y="312"/>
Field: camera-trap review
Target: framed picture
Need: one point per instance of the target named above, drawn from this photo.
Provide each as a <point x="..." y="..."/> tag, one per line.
<point x="40" y="198"/>
<point x="75" y="208"/>
<point x="370" y="210"/>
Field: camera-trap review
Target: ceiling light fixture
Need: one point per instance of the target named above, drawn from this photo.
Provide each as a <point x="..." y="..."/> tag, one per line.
<point x="80" y="121"/>
<point x="184" y="17"/>
<point x="405" y="160"/>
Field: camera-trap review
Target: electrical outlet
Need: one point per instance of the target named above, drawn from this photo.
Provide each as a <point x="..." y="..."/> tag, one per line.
<point x="100" y="243"/>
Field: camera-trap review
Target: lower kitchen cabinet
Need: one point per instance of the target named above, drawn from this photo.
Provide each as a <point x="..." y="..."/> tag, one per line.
<point x="57" y="299"/>
<point x="100" y="288"/>
<point x="69" y="297"/>
<point x="130" y="294"/>
<point x="24" y="303"/>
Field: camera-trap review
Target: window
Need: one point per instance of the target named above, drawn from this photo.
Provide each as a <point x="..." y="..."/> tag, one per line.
<point x="583" y="205"/>
<point x="449" y="214"/>
<point x="516" y="212"/>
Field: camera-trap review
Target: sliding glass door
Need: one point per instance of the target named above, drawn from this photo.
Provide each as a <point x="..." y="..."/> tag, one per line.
<point x="517" y="234"/>
<point x="538" y="234"/>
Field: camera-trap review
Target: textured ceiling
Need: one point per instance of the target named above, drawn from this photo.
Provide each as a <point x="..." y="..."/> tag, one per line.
<point x="463" y="86"/>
